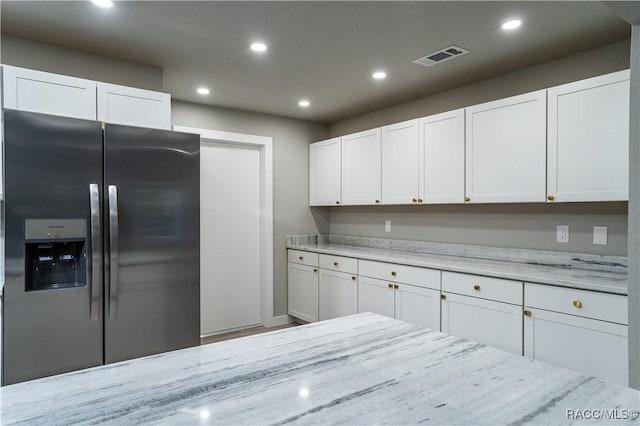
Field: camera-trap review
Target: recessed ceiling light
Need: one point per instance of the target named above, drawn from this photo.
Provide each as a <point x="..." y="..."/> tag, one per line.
<point x="304" y="103"/>
<point x="512" y="24"/>
<point x="203" y="91"/>
<point x="103" y="3"/>
<point x="379" y="75"/>
<point x="258" y="47"/>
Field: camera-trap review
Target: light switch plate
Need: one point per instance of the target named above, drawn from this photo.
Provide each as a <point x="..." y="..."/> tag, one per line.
<point x="387" y="226"/>
<point x="600" y="235"/>
<point x="562" y="234"/>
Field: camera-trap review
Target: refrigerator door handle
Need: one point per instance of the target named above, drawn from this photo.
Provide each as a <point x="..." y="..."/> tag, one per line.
<point x="113" y="252"/>
<point x="94" y="267"/>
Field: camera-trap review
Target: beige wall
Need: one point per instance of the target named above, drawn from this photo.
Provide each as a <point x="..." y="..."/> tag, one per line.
<point x="529" y="226"/>
<point x="291" y="214"/>
<point x="61" y="60"/>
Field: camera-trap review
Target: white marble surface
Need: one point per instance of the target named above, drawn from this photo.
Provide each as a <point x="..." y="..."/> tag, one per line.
<point x="362" y="369"/>
<point x="533" y="272"/>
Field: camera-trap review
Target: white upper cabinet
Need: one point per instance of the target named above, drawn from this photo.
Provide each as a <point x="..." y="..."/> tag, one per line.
<point x="401" y="162"/>
<point x="361" y="168"/>
<point x="134" y="107"/>
<point x="442" y="158"/>
<point x="588" y="139"/>
<point x="506" y="150"/>
<point x="48" y="93"/>
<point x="324" y="173"/>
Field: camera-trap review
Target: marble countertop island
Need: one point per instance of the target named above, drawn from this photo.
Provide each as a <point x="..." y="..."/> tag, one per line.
<point x="362" y="369"/>
<point x="585" y="272"/>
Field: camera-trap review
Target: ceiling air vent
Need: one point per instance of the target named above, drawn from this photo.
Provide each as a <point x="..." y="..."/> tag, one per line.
<point x="440" y="56"/>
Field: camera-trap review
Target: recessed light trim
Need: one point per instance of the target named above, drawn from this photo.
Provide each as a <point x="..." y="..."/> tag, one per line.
<point x="304" y="103"/>
<point x="258" y="47"/>
<point x="203" y="91"/>
<point x="379" y="75"/>
<point x="103" y="3"/>
<point x="511" y="24"/>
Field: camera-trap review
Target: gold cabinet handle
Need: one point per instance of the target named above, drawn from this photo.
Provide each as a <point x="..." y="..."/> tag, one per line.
<point x="577" y="304"/>
<point x="415" y="200"/>
<point x="377" y="201"/>
<point x="353" y="278"/>
<point x="390" y="285"/>
<point x="476" y="287"/>
<point x="396" y="286"/>
<point x="443" y="296"/>
<point x="467" y="199"/>
<point x="393" y="273"/>
<point x="527" y="313"/>
<point x="337" y="202"/>
<point x="419" y="200"/>
<point x="335" y="263"/>
<point x="315" y="269"/>
<point x="550" y="197"/>
<point x="300" y="257"/>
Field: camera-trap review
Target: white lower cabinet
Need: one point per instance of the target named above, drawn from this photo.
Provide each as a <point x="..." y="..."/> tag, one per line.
<point x="338" y="294"/>
<point x="303" y="292"/>
<point x="488" y="322"/>
<point x="568" y="335"/>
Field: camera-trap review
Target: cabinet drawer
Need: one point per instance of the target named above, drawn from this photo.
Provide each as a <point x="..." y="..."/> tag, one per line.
<point x="303" y="257"/>
<point x="338" y="263"/>
<point x="484" y="287"/>
<point x="423" y="277"/>
<point x="583" y="303"/>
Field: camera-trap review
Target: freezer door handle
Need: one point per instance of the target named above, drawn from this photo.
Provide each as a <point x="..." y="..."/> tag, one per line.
<point x="113" y="252"/>
<point x="94" y="267"/>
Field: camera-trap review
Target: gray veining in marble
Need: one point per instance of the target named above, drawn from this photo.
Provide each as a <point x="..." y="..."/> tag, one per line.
<point x="533" y="271"/>
<point x="361" y="369"/>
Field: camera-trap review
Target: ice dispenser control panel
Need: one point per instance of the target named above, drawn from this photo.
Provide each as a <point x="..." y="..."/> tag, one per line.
<point x="55" y="253"/>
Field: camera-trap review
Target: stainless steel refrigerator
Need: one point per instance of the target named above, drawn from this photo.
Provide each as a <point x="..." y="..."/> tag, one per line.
<point x="102" y="244"/>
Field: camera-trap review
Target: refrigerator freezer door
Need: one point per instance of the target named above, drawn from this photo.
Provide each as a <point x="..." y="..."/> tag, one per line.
<point x="50" y="163"/>
<point x="153" y="202"/>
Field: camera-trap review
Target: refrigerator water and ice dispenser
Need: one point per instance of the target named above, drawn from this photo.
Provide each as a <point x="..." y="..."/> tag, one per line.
<point x="55" y="253"/>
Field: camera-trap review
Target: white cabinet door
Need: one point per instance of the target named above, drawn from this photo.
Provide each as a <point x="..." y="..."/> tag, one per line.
<point x="491" y="323"/>
<point x="47" y="93"/>
<point x="442" y="158"/>
<point x="134" y="107"/>
<point x="400" y="163"/>
<point x="376" y="296"/>
<point x="324" y="173"/>
<point x="303" y="292"/>
<point x="418" y="305"/>
<point x="361" y="168"/>
<point x="592" y="347"/>
<point x="338" y="294"/>
<point x="506" y="150"/>
<point x="588" y="139"/>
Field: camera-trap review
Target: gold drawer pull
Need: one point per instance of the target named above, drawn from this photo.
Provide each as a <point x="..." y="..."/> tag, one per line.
<point x="300" y="257"/>
<point x="443" y="296"/>
<point x="415" y="200"/>
<point x="377" y="201"/>
<point x="337" y="202"/>
<point x="419" y="200"/>
<point x="577" y="304"/>
<point x="393" y="273"/>
<point x="315" y="269"/>
<point x="390" y="285"/>
<point x="527" y="313"/>
<point x="476" y="287"/>
<point x="353" y="278"/>
<point x="467" y="199"/>
<point x="550" y="197"/>
<point x="335" y="263"/>
<point x="396" y="286"/>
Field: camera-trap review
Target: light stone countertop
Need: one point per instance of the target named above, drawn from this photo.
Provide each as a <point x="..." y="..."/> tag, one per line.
<point x="584" y="279"/>
<point x="362" y="369"/>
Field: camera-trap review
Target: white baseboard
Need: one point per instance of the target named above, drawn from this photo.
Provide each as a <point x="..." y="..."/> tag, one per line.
<point x="280" y="320"/>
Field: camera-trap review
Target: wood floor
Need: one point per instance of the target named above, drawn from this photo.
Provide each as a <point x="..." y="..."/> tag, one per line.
<point x="242" y="333"/>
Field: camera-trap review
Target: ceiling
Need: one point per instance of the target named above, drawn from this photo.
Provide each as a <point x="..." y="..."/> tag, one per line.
<point x="322" y="51"/>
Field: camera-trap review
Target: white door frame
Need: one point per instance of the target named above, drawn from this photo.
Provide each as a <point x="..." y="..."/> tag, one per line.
<point x="264" y="143"/>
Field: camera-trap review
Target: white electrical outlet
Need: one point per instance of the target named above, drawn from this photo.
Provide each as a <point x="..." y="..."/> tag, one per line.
<point x="562" y="234"/>
<point x="387" y="226"/>
<point x="600" y="235"/>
